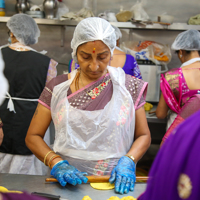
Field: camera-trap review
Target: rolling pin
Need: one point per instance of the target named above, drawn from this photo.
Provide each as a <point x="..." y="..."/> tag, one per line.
<point x="100" y="179"/>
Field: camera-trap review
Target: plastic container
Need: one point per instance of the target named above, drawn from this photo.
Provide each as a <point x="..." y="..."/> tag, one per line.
<point x="166" y="18"/>
<point x="2" y="8"/>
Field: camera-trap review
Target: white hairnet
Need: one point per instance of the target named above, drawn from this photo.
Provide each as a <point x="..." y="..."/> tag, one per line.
<point x="92" y="29"/>
<point x="3" y="81"/>
<point x="24" y="29"/>
<point x="117" y="32"/>
<point x="188" y="40"/>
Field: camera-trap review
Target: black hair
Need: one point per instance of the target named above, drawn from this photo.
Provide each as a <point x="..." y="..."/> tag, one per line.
<point x="187" y="52"/>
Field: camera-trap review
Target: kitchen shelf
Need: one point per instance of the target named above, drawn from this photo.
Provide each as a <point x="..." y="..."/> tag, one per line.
<point x="122" y="25"/>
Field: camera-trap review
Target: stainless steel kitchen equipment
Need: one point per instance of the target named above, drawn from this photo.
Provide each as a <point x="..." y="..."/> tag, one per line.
<point x="151" y="74"/>
<point x="35" y="14"/>
<point x="22" y="6"/>
<point x="50" y="8"/>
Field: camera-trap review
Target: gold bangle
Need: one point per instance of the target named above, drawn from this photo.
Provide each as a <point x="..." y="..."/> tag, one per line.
<point x="57" y="156"/>
<point x="47" y="155"/>
<point x="131" y="157"/>
<point x="52" y="157"/>
<point x="56" y="163"/>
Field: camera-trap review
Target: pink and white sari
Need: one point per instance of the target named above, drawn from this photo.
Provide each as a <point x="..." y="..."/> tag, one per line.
<point x="179" y="98"/>
<point x="80" y="100"/>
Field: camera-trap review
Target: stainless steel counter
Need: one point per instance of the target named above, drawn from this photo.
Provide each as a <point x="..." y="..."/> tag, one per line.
<point x="31" y="183"/>
<point x="152" y="117"/>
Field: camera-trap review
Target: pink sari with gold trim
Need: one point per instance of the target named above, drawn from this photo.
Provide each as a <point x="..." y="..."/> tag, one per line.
<point x="178" y="97"/>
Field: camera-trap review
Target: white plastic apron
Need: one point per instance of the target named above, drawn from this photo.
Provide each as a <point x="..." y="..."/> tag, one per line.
<point x="94" y="135"/>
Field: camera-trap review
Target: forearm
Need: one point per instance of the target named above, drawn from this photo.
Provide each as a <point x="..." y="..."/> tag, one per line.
<point x="1" y="136"/>
<point x="162" y="108"/>
<point x="140" y="146"/>
<point x="34" y="138"/>
<point x="41" y="149"/>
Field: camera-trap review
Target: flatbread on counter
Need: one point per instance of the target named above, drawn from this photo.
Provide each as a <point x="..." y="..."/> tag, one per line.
<point x="102" y="186"/>
<point x="128" y="198"/>
<point x="4" y="190"/>
<point x="114" y="198"/>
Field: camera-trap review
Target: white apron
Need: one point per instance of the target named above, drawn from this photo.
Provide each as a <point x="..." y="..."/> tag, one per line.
<point x="22" y="164"/>
<point x="94" y="135"/>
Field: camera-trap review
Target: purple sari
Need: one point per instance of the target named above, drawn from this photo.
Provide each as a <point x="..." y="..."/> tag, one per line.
<point x="23" y="196"/>
<point x="175" y="173"/>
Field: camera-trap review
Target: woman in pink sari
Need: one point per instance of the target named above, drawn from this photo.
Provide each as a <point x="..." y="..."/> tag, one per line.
<point x="100" y="122"/>
<point x="181" y="87"/>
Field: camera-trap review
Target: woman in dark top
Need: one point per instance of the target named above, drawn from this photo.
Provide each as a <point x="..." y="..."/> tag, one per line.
<point x="27" y="72"/>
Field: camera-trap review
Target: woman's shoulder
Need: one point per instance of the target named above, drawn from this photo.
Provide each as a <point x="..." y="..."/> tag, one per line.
<point x="137" y="89"/>
<point x="172" y="74"/>
<point x="173" y="71"/>
<point x="117" y="51"/>
<point x="56" y="81"/>
<point x="129" y="56"/>
<point x="133" y="79"/>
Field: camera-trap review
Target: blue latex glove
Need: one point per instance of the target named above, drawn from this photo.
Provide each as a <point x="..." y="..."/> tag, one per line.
<point x="123" y="175"/>
<point x="66" y="173"/>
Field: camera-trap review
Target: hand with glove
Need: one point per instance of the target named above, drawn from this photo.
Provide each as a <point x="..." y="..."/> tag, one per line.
<point x="66" y="173"/>
<point x="123" y="175"/>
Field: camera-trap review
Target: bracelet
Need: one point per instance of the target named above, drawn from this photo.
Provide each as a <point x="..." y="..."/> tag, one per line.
<point x="52" y="158"/>
<point x="56" y="163"/>
<point x="131" y="157"/>
<point x="46" y="156"/>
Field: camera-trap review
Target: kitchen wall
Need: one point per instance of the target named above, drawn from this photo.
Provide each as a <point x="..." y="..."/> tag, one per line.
<point x="51" y="35"/>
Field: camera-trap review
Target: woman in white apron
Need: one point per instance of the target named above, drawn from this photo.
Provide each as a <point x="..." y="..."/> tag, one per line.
<point x="179" y="86"/>
<point x="100" y="124"/>
<point x="27" y="72"/>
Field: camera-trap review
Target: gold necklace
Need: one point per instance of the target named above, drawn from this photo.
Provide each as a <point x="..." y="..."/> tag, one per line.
<point x="97" y="90"/>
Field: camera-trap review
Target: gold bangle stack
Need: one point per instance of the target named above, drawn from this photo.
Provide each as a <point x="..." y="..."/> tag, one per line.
<point x="52" y="158"/>
<point x="46" y="156"/>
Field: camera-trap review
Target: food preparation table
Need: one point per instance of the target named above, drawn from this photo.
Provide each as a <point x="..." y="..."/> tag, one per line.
<point x="31" y="183"/>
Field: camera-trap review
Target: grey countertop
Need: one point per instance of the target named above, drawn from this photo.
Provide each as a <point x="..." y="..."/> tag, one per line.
<point x="32" y="183"/>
